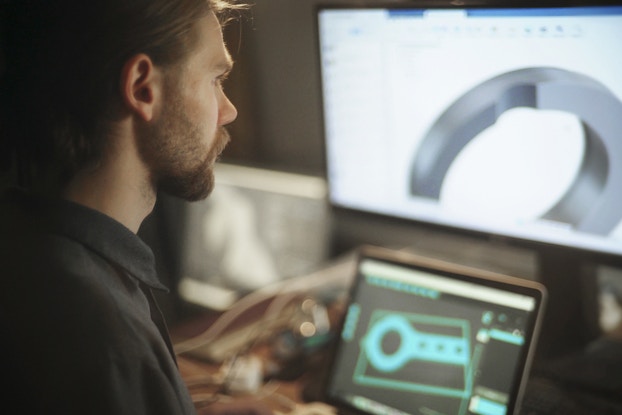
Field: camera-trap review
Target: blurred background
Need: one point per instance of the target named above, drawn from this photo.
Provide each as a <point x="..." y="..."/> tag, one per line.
<point x="271" y="192"/>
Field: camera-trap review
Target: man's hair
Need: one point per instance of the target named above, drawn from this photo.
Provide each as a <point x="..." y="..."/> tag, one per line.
<point x="60" y="67"/>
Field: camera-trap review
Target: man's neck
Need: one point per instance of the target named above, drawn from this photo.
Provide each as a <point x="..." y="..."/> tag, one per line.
<point x="123" y="201"/>
<point x="120" y="188"/>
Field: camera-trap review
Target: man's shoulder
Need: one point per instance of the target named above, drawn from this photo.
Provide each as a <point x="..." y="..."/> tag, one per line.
<point x="39" y="251"/>
<point x="60" y="290"/>
<point x="58" y="282"/>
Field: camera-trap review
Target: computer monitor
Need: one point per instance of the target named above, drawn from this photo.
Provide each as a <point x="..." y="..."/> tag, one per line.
<point x="501" y="119"/>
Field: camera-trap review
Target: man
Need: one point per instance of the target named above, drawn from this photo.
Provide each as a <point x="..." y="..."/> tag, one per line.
<point x="104" y="103"/>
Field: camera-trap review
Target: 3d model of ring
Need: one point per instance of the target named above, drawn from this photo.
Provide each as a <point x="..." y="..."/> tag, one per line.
<point x="592" y="202"/>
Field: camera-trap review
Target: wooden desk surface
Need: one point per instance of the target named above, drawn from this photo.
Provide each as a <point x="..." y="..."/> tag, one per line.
<point x="205" y="378"/>
<point x="280" y="396"/>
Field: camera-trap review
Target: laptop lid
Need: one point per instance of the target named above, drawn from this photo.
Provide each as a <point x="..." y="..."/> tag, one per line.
<point x="422" y="336"/>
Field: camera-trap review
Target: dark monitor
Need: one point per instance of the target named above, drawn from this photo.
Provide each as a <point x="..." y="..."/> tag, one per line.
<point x="501" y="120"/>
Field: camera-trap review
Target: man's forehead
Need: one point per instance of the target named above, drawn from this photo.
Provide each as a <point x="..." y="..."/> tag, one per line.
<point x="212" y="44"/>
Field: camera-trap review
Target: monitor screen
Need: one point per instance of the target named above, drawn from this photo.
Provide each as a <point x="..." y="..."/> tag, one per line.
<point x="504" y="121"/>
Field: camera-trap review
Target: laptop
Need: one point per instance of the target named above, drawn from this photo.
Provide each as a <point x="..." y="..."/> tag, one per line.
<point x="423" y="336"/>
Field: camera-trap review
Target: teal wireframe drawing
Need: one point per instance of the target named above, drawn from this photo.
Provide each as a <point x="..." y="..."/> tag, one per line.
<point x="379" y="368"/>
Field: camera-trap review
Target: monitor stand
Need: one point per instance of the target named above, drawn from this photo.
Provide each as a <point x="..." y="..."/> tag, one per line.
<point x="572" y="313"/>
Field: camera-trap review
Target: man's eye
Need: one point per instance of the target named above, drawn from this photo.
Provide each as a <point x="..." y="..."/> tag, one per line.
<point x="220" y="80"/>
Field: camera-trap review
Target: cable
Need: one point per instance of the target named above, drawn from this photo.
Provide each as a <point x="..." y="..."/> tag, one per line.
<point x="339" y="271"/>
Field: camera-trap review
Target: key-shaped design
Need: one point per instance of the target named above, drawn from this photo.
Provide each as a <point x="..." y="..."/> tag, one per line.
<point x="414" y="345"/>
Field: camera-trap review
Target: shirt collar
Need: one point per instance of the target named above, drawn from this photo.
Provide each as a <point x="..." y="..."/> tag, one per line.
<point x="101" y="233"/>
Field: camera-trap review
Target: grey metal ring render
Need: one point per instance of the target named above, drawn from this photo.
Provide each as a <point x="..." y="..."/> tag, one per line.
<point x="593" y="203"/>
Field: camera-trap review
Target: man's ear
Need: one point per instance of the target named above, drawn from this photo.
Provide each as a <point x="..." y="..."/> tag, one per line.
<point x="141" y="86"/>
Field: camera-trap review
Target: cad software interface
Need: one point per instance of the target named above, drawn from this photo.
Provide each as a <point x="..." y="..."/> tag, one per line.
<point x="500" y="120"/>
<point x="415" y="342"/>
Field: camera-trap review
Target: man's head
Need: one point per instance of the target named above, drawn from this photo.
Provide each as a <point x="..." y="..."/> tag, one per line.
<point x="184" y="138"/>
<point x="62" y="85"/>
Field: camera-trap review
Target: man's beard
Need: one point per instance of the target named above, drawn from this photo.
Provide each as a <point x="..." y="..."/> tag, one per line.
<point x="173" y="149"/>
<point x="196" y="183"/>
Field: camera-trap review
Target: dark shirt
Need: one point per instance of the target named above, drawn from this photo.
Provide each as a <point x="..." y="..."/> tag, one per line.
<point x="80" y="330"/>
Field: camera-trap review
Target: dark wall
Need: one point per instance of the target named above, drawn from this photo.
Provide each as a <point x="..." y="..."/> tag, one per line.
<point x="275" y="85"/>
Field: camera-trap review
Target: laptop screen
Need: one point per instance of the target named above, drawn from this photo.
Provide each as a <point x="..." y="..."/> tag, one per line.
<point x="455" y="115"/>
<point x="424" y="340"/>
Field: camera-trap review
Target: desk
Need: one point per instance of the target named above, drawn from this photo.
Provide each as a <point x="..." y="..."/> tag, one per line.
<point x="282" y="396"/>
<point x="567" y="396"/>
<point x="205" y="380"/>
<point x="288" y="311"/>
